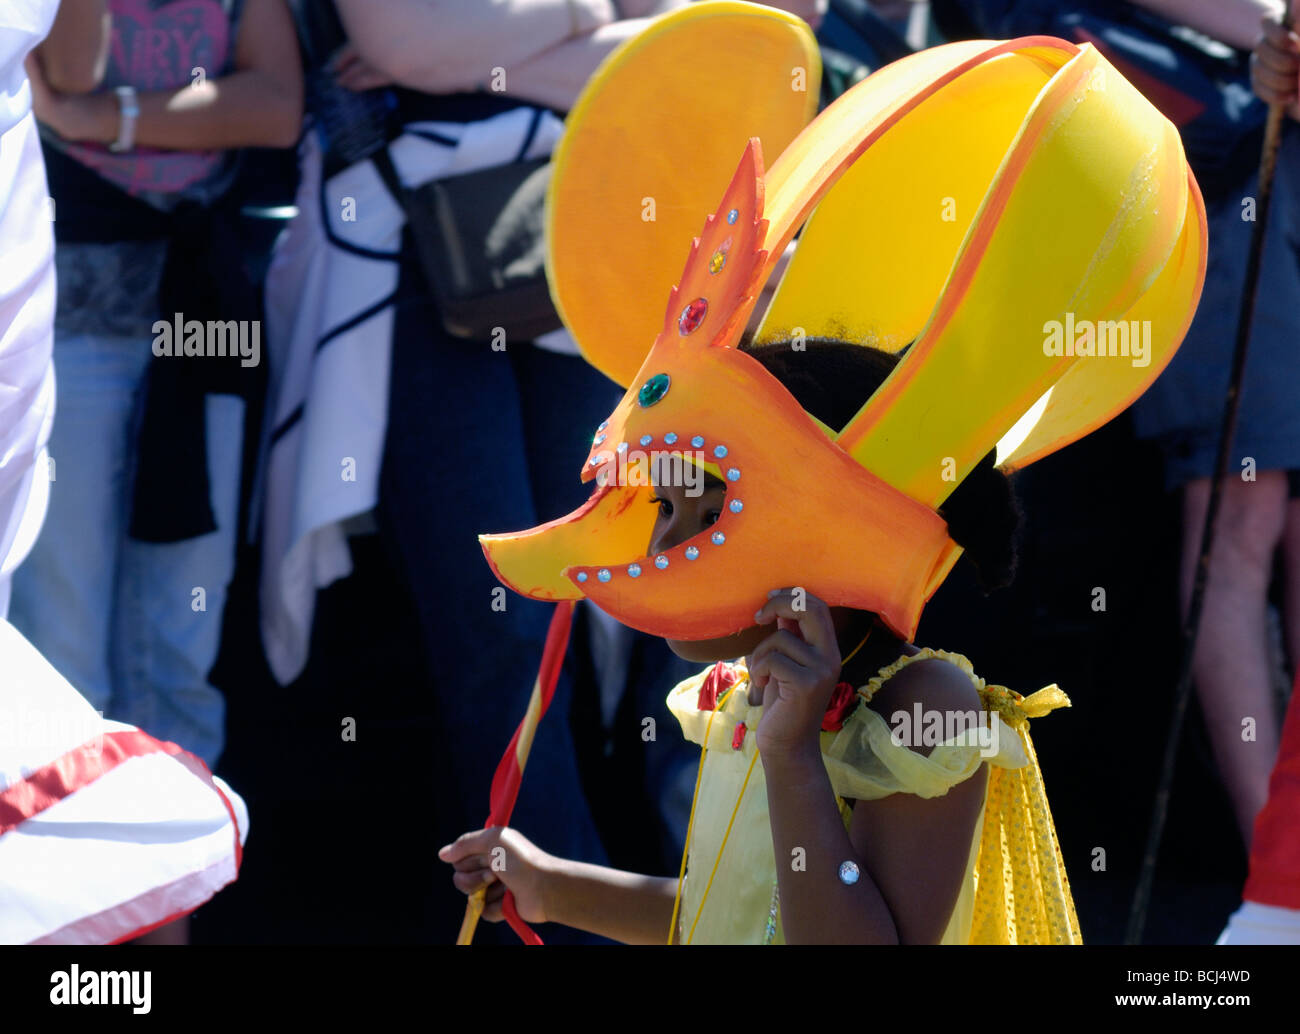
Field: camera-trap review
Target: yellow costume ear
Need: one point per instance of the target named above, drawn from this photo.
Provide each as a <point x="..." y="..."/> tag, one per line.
<point x="1095" y="392"/>
<point x="875" y="254"/>
<point x="662" y="123"/>
<point x="1088" y="256"/>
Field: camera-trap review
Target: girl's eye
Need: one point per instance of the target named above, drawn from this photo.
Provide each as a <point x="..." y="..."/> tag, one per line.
<point x="713" y="517"/>
<point x="665" y="507"/>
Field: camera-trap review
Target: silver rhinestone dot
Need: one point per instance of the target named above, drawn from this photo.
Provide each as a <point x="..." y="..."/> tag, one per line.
<point x="718" y="538"/>
<point x="670" y="438"/>
<point x="661" y="561"/>
<point x="698" y="441"/>
<point x="719" y="451"/>
<point x="736" y="506"/>
<point x="733" y="474"/>
<point x="691" y="552"/>
<point x="603" y="574"/>
<point x="646" y="439"/>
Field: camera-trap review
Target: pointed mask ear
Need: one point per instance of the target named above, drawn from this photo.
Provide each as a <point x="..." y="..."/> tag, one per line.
<point x="649" y="148"/>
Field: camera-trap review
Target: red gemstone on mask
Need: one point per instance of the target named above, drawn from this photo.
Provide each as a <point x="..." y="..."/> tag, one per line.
<point x="738" y="737"/>
<point x="692" y="316"/>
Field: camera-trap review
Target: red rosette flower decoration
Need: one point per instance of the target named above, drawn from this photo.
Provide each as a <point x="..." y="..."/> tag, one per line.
<point x="721" y="677"/>
<point x="844" y="698"/>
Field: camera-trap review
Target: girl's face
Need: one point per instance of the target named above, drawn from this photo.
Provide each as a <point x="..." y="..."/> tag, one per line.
<point x="685" y="511"/>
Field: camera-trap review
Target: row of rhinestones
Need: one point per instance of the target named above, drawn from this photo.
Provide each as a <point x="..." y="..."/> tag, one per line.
<point x="691" y="552"/>
<point x="719" y="451"/>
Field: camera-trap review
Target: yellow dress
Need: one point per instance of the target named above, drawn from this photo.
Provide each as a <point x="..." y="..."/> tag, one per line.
<point x="1015" y="891"/>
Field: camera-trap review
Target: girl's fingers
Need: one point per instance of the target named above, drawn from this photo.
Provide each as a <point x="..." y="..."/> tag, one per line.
<point x="468" y="882"/>
<point x="786" y="642"/>
<point x="471" y="863"/>
<point x="813" y="616"/>
<point x="780" y="667"/>
<point x="492" y="902"/>
<point x="471" y="882"/>
<point x="479" y="841"/>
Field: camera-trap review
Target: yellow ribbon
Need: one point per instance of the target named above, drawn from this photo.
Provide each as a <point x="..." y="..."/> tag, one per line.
<point x="1016" y="709"/>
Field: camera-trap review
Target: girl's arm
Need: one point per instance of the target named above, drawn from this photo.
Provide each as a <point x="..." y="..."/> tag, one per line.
<point x="911" y="853"/>
<point x="622" y="906"/>
<point x="259" y="104"/>
<point x="73" y="56"/>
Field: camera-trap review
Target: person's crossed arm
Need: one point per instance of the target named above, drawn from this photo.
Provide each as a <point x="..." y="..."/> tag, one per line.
<point x="259" y="104"/>
<point x="74" y="55"/>
<point x="538" y="50"/>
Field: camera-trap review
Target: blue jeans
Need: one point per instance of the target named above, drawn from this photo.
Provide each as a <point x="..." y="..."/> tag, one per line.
<point x="134" y="626"/>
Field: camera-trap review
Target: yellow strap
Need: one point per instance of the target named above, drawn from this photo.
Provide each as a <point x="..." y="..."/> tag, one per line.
<point x="690" y="824"/>
<point x="734" y="811"/>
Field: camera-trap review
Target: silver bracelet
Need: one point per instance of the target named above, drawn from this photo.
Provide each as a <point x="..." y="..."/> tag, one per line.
<point x="129" y="110"/>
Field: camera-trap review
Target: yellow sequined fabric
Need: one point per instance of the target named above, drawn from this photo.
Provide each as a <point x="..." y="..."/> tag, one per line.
<point x="1016" y="891"/>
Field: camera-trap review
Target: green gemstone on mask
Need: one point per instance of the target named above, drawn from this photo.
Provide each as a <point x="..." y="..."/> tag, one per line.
<point x="653" y="390"/>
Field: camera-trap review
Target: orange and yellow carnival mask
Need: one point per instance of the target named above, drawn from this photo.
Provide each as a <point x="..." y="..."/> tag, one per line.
<point x="1015" y="209"/>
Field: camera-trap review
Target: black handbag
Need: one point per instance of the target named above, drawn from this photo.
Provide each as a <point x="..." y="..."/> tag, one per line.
<point x="479" y="239"/>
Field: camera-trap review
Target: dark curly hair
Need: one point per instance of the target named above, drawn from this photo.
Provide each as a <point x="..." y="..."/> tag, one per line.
<point x="831" y="379"/>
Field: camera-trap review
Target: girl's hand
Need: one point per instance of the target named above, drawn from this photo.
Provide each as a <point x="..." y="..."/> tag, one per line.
<point x="796" y="667"/>
<point x="503" y="859"/>
<point x="1275" y="67"/>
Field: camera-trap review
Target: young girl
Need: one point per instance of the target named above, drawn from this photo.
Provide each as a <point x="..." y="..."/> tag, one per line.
<point x="877" y="833"/>
<point x="994" y="182"/>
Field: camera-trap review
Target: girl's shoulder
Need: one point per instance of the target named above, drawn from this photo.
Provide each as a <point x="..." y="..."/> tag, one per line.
<point x="921" y="728"/>
<point x="937" y="679"/>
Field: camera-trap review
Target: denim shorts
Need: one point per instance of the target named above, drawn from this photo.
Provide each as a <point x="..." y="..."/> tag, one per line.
<point x="134" y="626"/>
